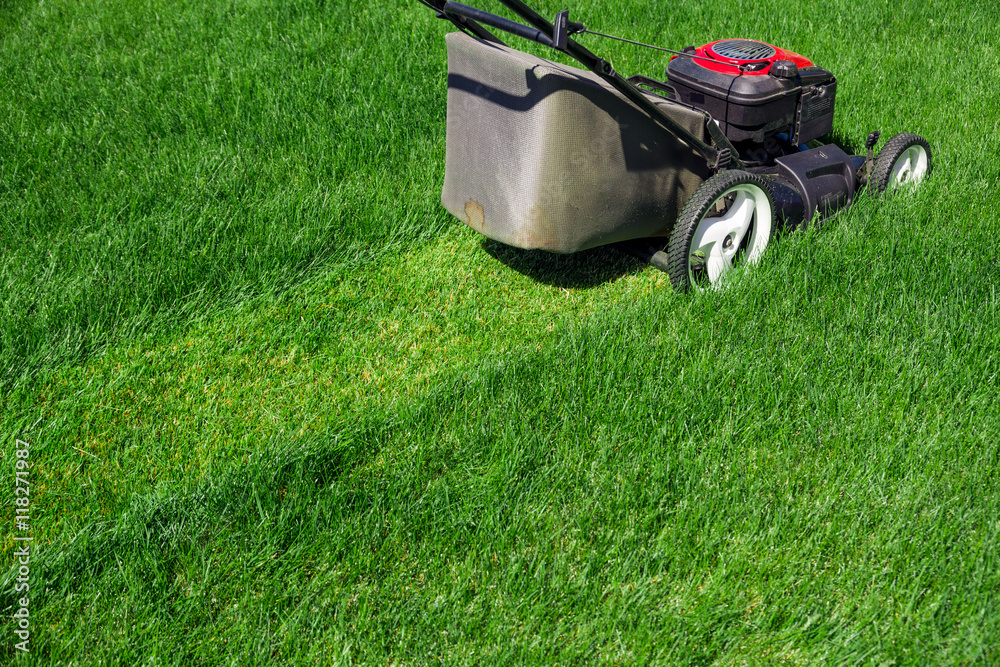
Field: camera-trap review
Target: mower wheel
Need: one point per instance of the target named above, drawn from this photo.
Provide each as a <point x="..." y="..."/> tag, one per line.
<point x="729" y="220"/>
<point x="904" y="160"/>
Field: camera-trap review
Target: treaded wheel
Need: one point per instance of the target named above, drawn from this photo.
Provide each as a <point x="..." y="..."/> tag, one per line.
<point x="905" y="159"/>
<point x="728" y="221"/>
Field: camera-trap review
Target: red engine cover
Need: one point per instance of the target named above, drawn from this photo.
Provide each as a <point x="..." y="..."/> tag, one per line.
<point x="730" y="56"/>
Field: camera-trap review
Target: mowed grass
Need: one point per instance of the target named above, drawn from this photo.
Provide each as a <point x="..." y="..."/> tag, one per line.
<point x="284" y="410"/>
<point x="221" y="391"/>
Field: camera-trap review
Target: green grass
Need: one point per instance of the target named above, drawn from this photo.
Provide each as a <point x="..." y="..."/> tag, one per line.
<point x="284" y="410"/>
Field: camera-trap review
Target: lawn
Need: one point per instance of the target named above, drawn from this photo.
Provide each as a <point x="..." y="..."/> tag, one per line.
<point x="281" y="408"/>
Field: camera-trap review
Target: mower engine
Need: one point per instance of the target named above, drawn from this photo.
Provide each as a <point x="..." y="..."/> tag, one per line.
<point x="755" y="90"/>
<point x="769" y="102"/>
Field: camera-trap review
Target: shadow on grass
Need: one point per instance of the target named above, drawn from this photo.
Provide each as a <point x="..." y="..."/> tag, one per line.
<point x="585" y="269"/>
<point x="850" y="144"/>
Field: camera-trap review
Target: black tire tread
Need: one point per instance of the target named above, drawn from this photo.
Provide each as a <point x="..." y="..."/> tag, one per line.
<point x="706" y="194"/>
<point x="887" y="157"/>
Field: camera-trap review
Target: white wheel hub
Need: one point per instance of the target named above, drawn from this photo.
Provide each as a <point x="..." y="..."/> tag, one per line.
<point x="910" y="167"/>
<point x="736" y="225"/>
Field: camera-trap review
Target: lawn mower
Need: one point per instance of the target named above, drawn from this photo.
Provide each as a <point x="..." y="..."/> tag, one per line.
<point x="694" y="173"/>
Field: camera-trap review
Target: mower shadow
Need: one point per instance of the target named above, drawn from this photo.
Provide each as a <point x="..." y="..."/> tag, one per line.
<point x="850" y="145"/>
<point x="584" y="269"/>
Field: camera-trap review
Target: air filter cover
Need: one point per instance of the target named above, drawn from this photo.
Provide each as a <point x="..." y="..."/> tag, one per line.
<point x="743" y="49"/>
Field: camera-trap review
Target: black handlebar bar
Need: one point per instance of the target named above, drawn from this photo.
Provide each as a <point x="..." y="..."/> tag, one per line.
<point x="498" y="22"/>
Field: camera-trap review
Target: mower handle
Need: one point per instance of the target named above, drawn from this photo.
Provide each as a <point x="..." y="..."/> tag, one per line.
<point x="499" y="22"/>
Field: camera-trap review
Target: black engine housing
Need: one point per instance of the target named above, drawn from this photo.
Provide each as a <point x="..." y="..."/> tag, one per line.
<point x="750" y="108"/>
